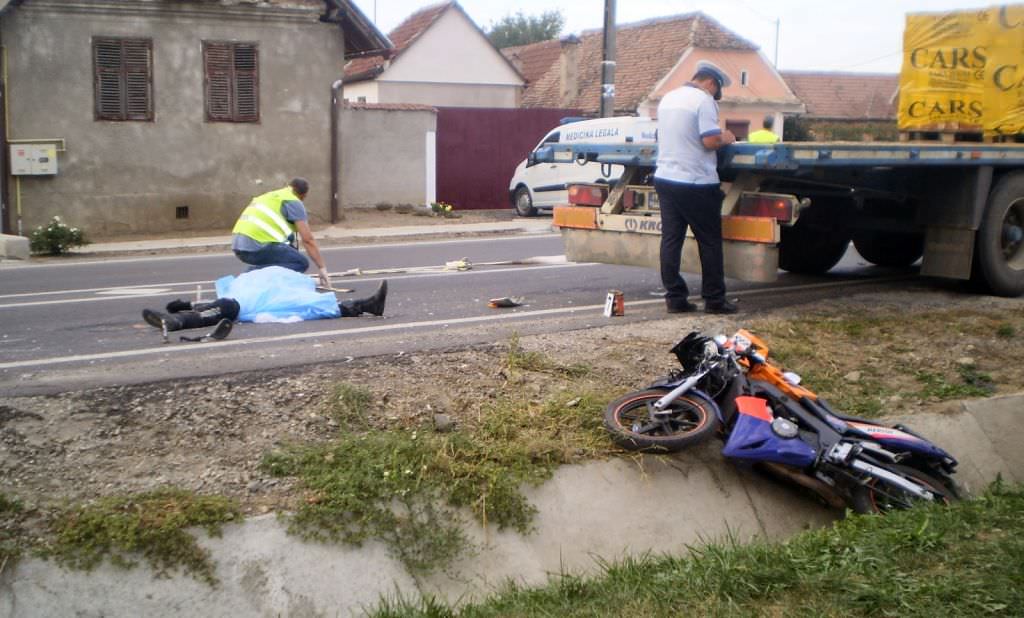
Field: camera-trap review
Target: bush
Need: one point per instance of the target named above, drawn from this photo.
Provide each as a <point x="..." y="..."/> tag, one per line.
<point x="56" y="238"/>
<point x="442" y="209"/>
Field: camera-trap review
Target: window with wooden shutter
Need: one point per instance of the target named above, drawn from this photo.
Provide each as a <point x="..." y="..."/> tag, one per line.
<point x="232" y="81"/>
<point x="123" y="78"/>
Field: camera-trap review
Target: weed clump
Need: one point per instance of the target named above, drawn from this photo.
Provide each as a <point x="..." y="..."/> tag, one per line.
<point x="12" y="534"/>
<point x="350" y="405"/>
<point x="152" y="524"/>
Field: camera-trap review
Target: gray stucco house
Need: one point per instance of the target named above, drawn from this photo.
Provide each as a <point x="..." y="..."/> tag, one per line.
<point x="168" y="115"/>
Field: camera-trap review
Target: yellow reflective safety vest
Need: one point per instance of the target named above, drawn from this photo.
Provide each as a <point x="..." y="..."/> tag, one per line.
<point x="763" y="136"/>
<point x="262" y="220"/>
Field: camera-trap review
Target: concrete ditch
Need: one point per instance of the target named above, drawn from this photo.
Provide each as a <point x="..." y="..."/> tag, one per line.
<point x="587" y="513"/>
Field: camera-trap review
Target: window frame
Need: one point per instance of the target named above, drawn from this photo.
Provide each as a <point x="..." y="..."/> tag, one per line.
<point x="135" y="100"/>
<point x="231" y="93"/>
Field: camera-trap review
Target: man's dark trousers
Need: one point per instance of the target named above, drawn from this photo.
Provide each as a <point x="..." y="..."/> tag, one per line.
<point x="700" y="208"/>
<point x="275" y="254"/>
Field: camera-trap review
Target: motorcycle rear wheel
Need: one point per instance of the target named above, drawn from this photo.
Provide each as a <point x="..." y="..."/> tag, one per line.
<point x="691" y="419"/>
<point x="877" y="497"/>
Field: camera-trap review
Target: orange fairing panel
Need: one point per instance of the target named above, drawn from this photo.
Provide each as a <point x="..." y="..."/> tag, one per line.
<point x="581" y="217"/>
<point x="754" y="406"/>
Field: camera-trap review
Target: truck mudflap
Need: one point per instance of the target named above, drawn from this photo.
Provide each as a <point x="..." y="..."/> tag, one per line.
<point x="750" y="244"/>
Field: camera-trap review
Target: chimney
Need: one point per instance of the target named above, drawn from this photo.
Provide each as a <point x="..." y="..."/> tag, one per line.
<point x="569" y="71"/>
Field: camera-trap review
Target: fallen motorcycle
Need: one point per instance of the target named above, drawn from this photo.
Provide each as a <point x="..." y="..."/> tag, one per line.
<point x="728" y="386"/>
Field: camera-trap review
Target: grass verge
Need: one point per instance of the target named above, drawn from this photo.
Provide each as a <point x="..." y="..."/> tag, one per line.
<point x="407" y="486"/>
<point x="964" y="560"/>
<point x="885" y="360"/>
<point x="404" y="486"/>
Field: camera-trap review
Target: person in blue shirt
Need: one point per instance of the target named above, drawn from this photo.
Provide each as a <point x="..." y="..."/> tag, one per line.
<point x="686" y="180"/>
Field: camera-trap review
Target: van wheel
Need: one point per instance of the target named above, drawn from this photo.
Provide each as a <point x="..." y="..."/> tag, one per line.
<point x="523" y="203"/>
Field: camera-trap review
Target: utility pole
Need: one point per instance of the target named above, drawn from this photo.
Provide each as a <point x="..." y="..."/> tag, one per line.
<point x="608" y="62"/>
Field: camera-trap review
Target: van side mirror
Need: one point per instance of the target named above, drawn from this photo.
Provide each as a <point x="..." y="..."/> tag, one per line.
<point x="531" y="159"/>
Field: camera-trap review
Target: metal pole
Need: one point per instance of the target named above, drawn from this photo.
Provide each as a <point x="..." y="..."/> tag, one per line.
<point x="335" y="144"/>
<point x="608" y="62"/>
<point x="335" y="120"/>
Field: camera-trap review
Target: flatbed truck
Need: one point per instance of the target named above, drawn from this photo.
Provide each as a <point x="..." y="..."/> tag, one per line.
<point x="798" y="205"/>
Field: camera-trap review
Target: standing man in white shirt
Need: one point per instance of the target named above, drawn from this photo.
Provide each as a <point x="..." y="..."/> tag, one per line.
<point x="688" y="187"/>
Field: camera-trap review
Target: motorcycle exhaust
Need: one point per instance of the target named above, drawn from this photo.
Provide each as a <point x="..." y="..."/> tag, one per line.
<point x="826" y="493"/>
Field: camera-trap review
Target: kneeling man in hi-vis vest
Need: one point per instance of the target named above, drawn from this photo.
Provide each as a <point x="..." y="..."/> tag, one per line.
<point x="265" y="233"/>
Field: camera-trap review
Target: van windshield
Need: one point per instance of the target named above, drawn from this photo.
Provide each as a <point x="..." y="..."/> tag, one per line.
<point x="550" y="138"/>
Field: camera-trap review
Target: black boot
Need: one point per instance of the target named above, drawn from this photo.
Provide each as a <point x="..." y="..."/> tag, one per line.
<point x="177" y="305"/>
<point x="373" y="304"/>
<point x="210" y="314"/>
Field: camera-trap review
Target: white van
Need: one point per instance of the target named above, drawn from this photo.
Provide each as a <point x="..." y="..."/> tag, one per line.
<point x="542" y="186"/>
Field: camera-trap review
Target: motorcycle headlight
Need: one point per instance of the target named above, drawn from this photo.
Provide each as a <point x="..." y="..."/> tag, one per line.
<point x="784" y="428"/>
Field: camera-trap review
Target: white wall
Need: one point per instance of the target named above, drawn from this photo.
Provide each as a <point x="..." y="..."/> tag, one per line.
<point x="367" y="89"/>
<point x="383" y="158"/>
<point x="452" y="50"/>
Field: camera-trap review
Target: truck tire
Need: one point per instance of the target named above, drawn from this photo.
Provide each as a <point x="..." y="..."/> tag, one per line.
<point x="815" y="244"/>
<point x="888" y="248"/>
<point x="999" y="244"/>
<point x="523" y="203"/>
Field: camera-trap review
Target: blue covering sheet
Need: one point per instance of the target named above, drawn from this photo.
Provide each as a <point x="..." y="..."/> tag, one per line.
<point x="276" y="294"/>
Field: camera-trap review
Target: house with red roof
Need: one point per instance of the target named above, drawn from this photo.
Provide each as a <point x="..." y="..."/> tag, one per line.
<point x="652" y="58"/>
<point x="440" y="58"/>
<point x="846" y="106"/>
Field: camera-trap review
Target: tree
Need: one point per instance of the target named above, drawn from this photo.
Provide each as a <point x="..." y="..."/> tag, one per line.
<point x="522" y="29"/>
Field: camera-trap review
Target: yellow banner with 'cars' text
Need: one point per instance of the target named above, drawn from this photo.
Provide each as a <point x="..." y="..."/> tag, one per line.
<point x="964" y="71"/>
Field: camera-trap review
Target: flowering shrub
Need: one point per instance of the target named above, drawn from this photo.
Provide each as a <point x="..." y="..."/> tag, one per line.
<point x="441" y="209"/>
<point x="56" y="238"/>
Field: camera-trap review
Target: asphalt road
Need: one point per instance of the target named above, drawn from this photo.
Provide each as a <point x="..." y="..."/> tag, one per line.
<point x="77" y="323"/>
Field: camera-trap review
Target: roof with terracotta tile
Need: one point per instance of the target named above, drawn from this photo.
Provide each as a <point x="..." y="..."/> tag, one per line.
<point x="645" y="53"/>
<point x="401" y="37"/>
<point x="535" y="59"/>
<point x="845" y="96"/>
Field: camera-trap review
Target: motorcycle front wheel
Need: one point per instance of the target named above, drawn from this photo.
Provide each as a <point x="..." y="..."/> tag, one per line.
<point x="688" y="420"/>
<point x="878" y="497"/>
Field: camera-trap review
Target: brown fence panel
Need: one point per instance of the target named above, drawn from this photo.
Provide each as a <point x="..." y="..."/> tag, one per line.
<point x="478" y="149"/>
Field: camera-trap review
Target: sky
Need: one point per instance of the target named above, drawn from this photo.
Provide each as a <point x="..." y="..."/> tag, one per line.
<point x="822" y="35"/>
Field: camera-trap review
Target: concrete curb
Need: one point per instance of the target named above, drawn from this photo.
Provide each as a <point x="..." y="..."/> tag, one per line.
<point x="670" y="503"/>
<point x="523" y="226"/>
<point x="13" y="247"/>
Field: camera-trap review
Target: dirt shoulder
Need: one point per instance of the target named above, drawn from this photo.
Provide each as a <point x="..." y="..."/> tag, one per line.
<point x="870" y="354"/>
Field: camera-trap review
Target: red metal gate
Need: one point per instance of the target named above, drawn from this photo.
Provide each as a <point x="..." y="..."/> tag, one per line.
<point x="478" y="149"/>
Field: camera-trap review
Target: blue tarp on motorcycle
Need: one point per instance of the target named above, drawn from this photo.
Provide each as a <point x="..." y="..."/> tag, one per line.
<point x="276" y="294"/>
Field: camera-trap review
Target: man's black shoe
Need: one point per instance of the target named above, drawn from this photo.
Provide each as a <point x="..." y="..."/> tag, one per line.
<point x="177" y="305"/>
<point x="683" y="307"/>
<point x="722" y="306"/>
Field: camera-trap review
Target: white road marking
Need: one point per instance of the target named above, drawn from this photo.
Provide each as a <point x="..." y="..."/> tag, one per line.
<point x="134" y="291"/>
<point x="367" y="275"/>
<point x="599" y="308"/>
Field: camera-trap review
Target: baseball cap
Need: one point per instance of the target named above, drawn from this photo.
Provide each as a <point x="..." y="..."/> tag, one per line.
<point x="709" y="69"/>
